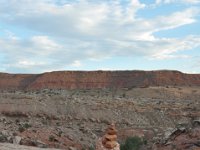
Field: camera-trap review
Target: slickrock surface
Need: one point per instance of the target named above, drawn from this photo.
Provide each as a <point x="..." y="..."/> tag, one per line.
<point x="7" y="146"/>
<point x="97" y="79"/>
<point x="109" y="140"/>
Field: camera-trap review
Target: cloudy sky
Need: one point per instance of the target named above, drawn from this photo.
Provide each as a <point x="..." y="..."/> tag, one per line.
<point x="47" y="35"/>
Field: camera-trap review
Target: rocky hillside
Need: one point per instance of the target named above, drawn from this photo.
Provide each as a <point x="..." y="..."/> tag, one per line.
<point x="74" y="119"/>
<point x="97" y="79"/>
<point x="6" y="146"/>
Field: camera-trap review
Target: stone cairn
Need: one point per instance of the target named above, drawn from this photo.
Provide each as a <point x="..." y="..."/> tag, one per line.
<point x="109" y="140"/>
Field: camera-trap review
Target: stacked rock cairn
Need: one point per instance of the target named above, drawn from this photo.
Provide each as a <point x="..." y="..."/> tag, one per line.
<point x="109" y="140"/>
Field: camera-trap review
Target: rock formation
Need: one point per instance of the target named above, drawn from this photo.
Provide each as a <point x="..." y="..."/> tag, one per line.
<point x="96" y="79"/>
<point x="109" y="140"/>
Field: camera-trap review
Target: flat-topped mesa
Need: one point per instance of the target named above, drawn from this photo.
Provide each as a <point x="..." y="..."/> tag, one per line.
<point x="109" y="140"/>
<point x="96" y="80"/>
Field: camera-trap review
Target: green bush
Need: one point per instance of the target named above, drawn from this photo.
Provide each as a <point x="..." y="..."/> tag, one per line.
<point x="21" y="129"/>
<point x="132" y="143"/>
<point x="51" y="138"/>
<point x="27" y="125"/>
<point x="3" y="138"/>
<point x="91" y="148"/>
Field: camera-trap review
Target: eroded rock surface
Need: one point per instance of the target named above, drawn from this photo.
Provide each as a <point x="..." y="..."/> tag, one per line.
<point x="7" y="146"/>
<point x="183" y="139"/>
<point x="76" y="118"/>
<point x="97" y="79"/>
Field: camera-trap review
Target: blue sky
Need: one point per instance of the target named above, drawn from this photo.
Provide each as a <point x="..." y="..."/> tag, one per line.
<point x="48" y="35"/>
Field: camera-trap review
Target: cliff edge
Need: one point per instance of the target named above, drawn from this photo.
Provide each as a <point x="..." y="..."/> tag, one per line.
<point x="97" y="79"/>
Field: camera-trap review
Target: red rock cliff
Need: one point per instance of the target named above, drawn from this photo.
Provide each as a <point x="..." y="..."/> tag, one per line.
<point x="97" y="79"/>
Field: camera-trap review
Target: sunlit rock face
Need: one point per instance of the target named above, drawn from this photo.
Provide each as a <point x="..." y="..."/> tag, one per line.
<point x="96" y="80"/>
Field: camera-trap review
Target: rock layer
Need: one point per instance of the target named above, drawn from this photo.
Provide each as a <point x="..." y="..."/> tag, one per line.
<point x="97" y="79"/>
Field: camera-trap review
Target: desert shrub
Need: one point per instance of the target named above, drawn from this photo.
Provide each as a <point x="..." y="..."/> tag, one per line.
<point x="60" y="133"/>
<point x="123" y="95"/>
<point x="3" y="138"/>
<point x="27" y="125"/>
<point x="17" y="121"/>
<point x="145" y="141"/>
<point x="132" y="143"/>
<point x="91" y="148"/>
<point x="21" y="129"/>
<point x="51" y="138"/>
<point x="45" y="122"/>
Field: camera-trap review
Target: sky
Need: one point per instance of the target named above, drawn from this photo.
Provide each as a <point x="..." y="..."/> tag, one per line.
<point x="49" y="35"/>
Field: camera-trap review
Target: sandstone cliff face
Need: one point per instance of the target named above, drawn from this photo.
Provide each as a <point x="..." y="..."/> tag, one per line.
<point x="97" y="79"/>
<point x="15" y="81"/>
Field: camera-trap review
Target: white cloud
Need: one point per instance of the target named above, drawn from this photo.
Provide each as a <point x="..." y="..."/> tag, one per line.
<point x="71" y="32"/>
<point x="192" y="1"/>
<point x="44" y="43"/>
<point x="76" y="63"/>
<point x="178" y="1"/>
<point x="162" y="48"/>
<point x="87" y="20"/>
<point x="177" y="19"/>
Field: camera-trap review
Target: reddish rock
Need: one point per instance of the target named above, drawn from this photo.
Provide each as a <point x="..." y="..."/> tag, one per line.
<point x="100" y="146"/>
<point x="110" y="138"/>
<point x="97" y="79"/>
<point x="184" y="141"/>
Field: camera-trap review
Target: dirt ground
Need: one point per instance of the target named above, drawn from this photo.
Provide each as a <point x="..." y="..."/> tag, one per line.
<point x="75" y="119"/>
